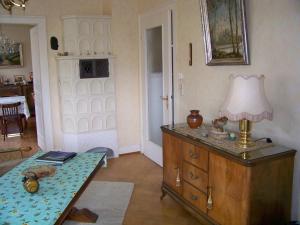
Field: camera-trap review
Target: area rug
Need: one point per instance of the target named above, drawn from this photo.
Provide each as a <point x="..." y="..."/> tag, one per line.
<point x="107" y="199"/>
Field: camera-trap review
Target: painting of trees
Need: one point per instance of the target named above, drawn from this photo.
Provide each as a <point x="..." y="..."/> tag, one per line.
<point x="226" y="28"/>
<point x="11" y="57"/>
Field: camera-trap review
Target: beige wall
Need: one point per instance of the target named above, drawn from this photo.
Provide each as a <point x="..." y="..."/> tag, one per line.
<point x="107" y="7"/>
<point x="148" y="5"/>
<point x="125" y="48"/>
<point x="18" y="33"/>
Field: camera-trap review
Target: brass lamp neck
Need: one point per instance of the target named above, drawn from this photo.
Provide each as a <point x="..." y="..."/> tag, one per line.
<point x="245" y="134"/>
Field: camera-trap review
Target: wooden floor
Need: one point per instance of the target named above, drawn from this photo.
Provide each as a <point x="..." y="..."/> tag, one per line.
<point x="28" y="139"/>
<point x="145" y="207"/>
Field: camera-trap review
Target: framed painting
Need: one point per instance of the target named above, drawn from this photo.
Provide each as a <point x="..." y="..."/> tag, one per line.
<point x="19" y="79"/>
<point x="224" y="28"/>
<point x="12" y="58"/>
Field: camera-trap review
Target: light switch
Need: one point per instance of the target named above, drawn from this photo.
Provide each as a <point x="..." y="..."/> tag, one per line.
<point x="180" y="83"/>
<point x="180" y="76"/>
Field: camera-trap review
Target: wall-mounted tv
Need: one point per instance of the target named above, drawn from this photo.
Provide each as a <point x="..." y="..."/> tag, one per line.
<point x="93" y="68"/>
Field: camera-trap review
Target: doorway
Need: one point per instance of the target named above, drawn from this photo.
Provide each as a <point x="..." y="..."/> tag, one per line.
<point x="41" y="76"/>
<point x="16" y="84"/>
<point x="156" y="49"/>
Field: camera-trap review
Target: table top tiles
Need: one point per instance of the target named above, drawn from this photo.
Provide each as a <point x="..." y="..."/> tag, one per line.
<point x="44" y="207"/>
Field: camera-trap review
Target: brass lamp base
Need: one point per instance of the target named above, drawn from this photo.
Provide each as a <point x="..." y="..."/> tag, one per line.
<point x="245" y="134"/>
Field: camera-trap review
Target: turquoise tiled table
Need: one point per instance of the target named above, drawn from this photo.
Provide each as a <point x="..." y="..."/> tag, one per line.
<point x="56" y="196"/>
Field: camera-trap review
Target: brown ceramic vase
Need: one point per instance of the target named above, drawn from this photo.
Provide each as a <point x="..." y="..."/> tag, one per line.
<point x="194" y="120"/>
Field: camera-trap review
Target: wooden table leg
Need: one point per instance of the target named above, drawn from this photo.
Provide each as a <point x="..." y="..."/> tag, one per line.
<point x="82" y="215"/>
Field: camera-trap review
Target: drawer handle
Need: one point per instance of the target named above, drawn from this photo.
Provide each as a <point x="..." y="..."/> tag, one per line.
<point x="194" y="155"/>
<point x="209" y="199"/>
<point x="193" y="176"/>
<point x="178" y="178"/>
<point x="194" y="197"/>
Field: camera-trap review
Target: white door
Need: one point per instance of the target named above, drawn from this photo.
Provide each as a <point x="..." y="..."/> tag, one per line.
<point x="37" y="86"/>
<point x="156" y="80"/>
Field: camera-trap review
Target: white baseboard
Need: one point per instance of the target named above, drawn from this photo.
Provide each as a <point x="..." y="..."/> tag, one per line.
<point x="84" y="141"/>
<point x="129" y="149"/>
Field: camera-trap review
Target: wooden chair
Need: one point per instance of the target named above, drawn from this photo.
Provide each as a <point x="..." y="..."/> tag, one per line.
<point x="10" y="115"/>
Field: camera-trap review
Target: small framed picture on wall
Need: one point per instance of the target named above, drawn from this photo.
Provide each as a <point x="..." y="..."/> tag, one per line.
<point x="19" y="79"/>
<point x="12" y="56"/>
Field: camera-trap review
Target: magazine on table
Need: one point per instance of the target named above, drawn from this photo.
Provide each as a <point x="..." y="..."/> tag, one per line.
<point x="56" y="157"/>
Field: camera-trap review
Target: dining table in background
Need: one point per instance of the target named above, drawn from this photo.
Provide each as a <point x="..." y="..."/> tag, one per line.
<point x="23" y="108"/>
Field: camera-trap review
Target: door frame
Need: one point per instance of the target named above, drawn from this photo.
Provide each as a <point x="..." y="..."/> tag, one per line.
<point x="142" y="79"/>
<point x="40" y="22"/>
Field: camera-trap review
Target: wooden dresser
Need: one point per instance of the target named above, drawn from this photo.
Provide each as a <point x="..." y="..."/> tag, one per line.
<point x="223" y="187"/>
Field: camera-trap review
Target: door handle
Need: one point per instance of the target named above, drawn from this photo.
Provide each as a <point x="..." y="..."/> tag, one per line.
<point x="165" y="98"/>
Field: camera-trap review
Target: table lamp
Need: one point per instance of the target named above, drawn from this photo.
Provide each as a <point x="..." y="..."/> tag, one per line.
<point x="246" y="102"/>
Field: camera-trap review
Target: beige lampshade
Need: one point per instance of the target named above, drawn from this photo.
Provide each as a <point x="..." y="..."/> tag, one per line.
<point x="246" y="99"/>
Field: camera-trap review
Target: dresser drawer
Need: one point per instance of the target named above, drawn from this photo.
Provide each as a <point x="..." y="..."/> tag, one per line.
<point x="195" y="176"/>
<point x="194" y="196"/>
<point x="197" y="156"/>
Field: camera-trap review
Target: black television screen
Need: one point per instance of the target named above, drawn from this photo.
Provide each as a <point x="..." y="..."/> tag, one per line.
<point x="93" y="68"/>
